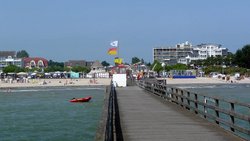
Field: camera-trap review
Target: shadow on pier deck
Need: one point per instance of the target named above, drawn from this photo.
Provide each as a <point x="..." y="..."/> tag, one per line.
<point x="145" y="117"/>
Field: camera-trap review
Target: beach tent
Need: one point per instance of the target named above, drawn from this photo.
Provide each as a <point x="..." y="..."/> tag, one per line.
<point x="22" y="74"/>
<point x="74" y="75"/>
<point x="58" y="72"/>
<point x="47" y="73"/>
<point x="33" y="73"/>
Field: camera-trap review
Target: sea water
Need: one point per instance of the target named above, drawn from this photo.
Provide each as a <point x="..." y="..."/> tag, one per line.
<point x="46" y="114"/>
<point x="238" y="92"/>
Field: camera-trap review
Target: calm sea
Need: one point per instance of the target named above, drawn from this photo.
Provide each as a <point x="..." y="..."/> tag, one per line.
<point x="47" y="115"/>
<point x="239" y="92"/>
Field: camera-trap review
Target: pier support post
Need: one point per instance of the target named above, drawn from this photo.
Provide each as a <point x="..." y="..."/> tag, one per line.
<point x="217" y="114"/>
<point x="196" y="103"/>
<point x="232" y="117"/>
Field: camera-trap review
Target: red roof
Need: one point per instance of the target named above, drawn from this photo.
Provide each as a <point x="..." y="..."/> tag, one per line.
<point x="36" y="59"/>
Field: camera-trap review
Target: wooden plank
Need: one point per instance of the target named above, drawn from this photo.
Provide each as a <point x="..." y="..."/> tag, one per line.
<point x="145" y="117"/>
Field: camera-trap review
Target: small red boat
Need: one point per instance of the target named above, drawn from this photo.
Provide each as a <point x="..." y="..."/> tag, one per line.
<point x="85" y="99"/>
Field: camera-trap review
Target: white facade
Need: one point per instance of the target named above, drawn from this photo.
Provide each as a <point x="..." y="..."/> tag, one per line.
<point x="204" y="51"/>
<point x="184" y="53"/>
<point x="4" y="62"/>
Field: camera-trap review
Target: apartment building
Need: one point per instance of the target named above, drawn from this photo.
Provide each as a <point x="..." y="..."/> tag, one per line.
<point x="172" y="55"/>
<point x="9" y="58"/>
<point x="184" y="53"/>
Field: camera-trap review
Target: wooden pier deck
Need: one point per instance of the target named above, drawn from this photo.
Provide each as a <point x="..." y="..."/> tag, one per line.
<point x="145" y="117"/>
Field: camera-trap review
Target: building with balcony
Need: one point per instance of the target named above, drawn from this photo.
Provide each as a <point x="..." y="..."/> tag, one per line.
<point x="7" y="54"/>
<point x="35" y="62"/>
<point x="9" y="58"/>
<point x="4" y="62"/>
<point x="184" y="53"/>
<point x="203" y="51"/>
<point x="172" y="55"/>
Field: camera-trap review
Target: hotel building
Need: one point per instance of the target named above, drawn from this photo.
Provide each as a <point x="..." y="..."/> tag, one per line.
<point x="184" y="53"/>
<point x="9" y="58"/>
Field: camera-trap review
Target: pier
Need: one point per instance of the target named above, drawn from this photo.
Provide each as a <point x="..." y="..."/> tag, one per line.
<point x="145" y="117"/>
<point x="147" y="113"/>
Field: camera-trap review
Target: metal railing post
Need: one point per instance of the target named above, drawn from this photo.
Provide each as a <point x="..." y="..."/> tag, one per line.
<point x="217" y="114"/>
<point x="232" y="117"/>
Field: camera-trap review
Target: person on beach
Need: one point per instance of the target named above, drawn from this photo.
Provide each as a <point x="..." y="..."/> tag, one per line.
<point x="8" y="90"/>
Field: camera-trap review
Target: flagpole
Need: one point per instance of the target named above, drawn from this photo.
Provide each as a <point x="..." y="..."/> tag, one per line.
<point x="118" y="48"/>
<point x="117" y="55"/>
<point x="115" y="44"/>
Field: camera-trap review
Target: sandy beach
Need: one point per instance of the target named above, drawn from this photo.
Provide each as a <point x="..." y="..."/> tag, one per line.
<point x="57" y="83"/>
<point x="106" y="81"/>
<point x="206" y="80"/>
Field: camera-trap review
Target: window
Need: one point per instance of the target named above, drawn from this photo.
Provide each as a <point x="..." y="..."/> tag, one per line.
<point x="40" y="64"/>
<point x="32" y="64"/>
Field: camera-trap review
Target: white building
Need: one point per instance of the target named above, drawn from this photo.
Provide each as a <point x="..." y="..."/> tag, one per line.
<point x="97" y="71"/>
<point x="4" y="62"/>
<point x="184" y="53"/>
<point x="173" y="55"/>
<point x="203" y="51"/>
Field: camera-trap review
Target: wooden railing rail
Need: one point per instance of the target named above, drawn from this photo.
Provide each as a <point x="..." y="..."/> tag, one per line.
<point x="232" y="115"/>
<point x="113" y="130"/>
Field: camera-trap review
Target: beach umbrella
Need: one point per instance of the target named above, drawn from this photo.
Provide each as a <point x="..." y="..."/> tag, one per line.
<point x="33" y="73"/>
<point x="47" y="73"/>
<point x="22" y="73"/>
<point x="58" y="72"/>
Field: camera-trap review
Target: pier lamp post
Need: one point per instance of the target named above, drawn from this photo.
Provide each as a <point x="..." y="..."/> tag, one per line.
<point x="163" y="66"/>
<point x="164" y="75"/>
<point x="223" y="67"/>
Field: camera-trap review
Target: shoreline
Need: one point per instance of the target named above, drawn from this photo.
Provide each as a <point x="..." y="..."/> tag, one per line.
<point x="205" y="80"/>
<point x="45" y="83"/>
<point x="102" y="82"/>
<point x="50" y="87"/>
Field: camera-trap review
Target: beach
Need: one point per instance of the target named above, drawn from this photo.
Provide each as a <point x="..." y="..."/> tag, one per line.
<point x="56" y="83"/>
<point x="206" y="80"/>
<point x="106" y="81"/>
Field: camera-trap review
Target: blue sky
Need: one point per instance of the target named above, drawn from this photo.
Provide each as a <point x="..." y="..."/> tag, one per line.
<point x="83" y="29"/>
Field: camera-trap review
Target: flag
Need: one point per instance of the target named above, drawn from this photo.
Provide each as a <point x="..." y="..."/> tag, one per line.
<point x="112" y="51"/>
<point x="118" y="60"/>
<point x="114" y="44"/>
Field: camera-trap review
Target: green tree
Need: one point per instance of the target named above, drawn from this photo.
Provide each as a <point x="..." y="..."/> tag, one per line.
<point x="12" y="68"/>
<point x="176" y="67"/>
<point x="228" y="60"/>
<point x="80" y="69"/>
<point x="142" y="61"/>
<point x="67" y="69"/>
<point x="22" y="54"/>
<point x="219" y="60"/>
<point x="105" y="64"/>
<point x="179" y="67"/>
<point x="135" y="60"/>
<point x="156" y="66"/>
<point x="54" y="66"/>
<point x="53" y="63"/>
<point x="148" y="64"/>
<point x="210" y="61"/>
<point x="242" y="57"/>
